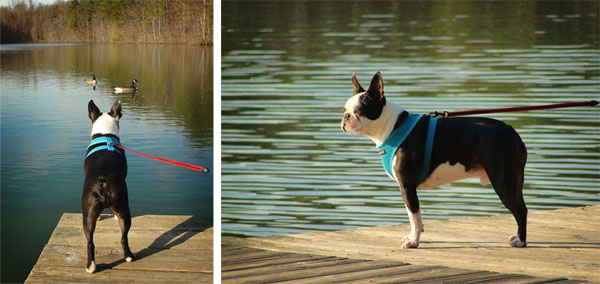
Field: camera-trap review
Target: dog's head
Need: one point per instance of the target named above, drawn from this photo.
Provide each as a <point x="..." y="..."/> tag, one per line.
<point x="105" y="123"/>
<point x="364" y="107"/>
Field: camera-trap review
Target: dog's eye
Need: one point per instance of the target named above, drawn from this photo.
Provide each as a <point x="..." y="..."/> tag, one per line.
<point x="357" y="111"/>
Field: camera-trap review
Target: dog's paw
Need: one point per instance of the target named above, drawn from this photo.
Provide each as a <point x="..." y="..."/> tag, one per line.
<point x="516" y="242"/>
<point x="130" y="258"/>
<point x="91" y="268"/>
<point x="409" y="242"/>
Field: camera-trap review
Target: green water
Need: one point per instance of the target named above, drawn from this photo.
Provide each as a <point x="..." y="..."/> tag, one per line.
<point x="286" y="74"/>
<point x="45" y="130"/>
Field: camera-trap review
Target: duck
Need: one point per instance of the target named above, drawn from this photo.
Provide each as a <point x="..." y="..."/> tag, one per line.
<point x="126" y="89"/>
<point x="91" y="81"/>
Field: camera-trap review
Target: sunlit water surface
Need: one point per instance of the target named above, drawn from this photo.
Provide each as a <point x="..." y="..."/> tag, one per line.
<point x="286" y="69"/>
<point x="45" y="130"/>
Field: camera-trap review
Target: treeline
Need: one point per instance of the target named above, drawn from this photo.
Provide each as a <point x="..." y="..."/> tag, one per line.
<point x="150" y="21"/>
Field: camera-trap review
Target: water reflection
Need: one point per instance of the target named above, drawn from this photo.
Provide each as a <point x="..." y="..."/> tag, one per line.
<point x="286" y="75"/>
<point x="45" y="129"/>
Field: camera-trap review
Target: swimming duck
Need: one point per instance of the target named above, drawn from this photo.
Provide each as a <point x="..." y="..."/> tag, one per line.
<point x="126" y="89"/>
<point x="91" y="81"/>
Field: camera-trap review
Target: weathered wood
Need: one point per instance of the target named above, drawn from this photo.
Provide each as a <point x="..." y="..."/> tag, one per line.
<point x="563" y="245"/>
<point x="268" y="262"/>
<point x="147" y="259"/>
<point x="344" y="270"/>
<point x="173" y="249"/>
<point x="376" y="275"/>
<point x="56" y="274"/>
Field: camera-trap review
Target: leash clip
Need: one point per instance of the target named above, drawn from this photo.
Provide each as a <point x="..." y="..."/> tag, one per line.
<point x="441" y="114"/>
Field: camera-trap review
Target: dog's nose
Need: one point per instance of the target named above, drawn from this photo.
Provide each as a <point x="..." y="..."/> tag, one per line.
<point x="346" y="116"/>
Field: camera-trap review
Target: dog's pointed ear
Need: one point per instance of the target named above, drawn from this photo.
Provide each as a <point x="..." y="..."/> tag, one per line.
<point x="93" y="111"/>
<point x="357" y="87"/>
<point x="115" y="110"/>
<point x="376" y="87"/>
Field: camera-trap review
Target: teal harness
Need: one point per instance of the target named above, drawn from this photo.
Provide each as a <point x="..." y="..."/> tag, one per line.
<point x="103" y="143"/>
<point x="390" y="146"/>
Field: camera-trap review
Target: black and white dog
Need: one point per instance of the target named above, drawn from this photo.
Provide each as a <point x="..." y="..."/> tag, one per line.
<point x="105" y="169"/>
<point x="463" y="147"/>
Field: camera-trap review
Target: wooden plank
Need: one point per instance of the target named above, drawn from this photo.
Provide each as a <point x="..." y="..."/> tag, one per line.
<point x="268" y="262"/>
<point x="342" y="266"/>
<point x="147" y="259"/>
<point x="561" y="243"/>
<point x="54" y="274"/>
<point x="253" y="256"/>
<point x="472" y="256"/>
<point x="149" y="222"/>
<point x="307" y="264"/>
<point x="417" y="273"/>
<point x="229" y="251"/>
<point x="173" y="249"/>
<point x="362" y="271"/>
<point x="369" y="275"/>
<point x="173" y="239"/>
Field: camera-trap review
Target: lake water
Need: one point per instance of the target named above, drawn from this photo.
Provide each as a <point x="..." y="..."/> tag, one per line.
<point x="286" y="74"/>
<point x="45" y="130"/>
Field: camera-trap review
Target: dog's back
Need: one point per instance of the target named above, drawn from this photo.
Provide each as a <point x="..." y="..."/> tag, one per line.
<point x="105" y="170"/>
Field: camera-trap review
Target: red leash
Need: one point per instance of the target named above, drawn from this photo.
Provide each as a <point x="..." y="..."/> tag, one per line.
<point x="513" y="109"/>
<point x="172" y="162"/>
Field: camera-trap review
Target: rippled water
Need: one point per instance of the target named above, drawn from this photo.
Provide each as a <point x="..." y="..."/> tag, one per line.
<point x="286" y="70"/>
<point x="45" y="130"/>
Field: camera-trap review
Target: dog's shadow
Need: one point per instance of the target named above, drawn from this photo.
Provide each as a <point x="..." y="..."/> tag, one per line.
<point x="175" y="236"/>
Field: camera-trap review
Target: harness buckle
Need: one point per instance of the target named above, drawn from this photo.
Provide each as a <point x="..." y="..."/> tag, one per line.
<point x="110" y="146"/>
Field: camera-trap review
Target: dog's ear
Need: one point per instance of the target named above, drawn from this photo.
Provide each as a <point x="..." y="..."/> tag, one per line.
<point x="115" y="110"/>
<point x="93" y="111"/>
<point x="376" y="87"/>
<point x="357" y="87"/>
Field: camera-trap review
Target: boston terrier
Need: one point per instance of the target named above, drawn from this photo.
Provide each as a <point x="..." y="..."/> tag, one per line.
<point x="105" y="169"/>
<point x="459" y="148"/>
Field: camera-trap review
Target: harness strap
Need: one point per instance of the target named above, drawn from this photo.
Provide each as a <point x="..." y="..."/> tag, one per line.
<point x="390" y="146"/>
<point x="103" y="143"/>
<point x="392" y="143"/>
<point x="428" y="149"/>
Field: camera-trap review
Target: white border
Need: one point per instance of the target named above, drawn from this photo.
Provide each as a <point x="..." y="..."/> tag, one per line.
<point x="217" y="141"/>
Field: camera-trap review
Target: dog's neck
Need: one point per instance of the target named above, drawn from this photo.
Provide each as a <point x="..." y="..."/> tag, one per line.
<point x="385" y="123"/>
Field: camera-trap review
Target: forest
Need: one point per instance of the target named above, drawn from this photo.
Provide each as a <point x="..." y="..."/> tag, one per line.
<point x="140" y="21"/>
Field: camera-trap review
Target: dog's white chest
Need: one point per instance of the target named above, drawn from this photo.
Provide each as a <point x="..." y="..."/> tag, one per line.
<point x="446" y="173"/>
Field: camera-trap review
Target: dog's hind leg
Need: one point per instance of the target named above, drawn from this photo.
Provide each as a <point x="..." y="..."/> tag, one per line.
<point x="90" y="216"/>
<point x="519" y="211"/>
<point x="507" y="180"/>
<point x="124" y="218"/>
<point x="509" y="189"/>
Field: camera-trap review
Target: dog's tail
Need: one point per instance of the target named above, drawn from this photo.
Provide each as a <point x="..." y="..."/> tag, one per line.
<point x="103" y="190"/>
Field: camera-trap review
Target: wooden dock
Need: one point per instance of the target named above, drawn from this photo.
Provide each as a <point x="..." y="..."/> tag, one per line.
<point x="563" y="247"/>
<point x="169" y="249"/>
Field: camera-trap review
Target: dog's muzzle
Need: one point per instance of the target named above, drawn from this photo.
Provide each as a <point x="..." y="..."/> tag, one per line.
<point x="346" y="118"/>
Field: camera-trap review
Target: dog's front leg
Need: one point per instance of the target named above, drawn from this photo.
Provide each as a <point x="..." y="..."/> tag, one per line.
<point x="411" y="202"/>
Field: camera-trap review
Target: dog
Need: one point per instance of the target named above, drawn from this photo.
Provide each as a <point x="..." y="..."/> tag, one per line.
<point x="460" y="148"/>
<point x="105" y="169"/>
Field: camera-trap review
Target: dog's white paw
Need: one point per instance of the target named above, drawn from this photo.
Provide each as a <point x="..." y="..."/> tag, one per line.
<point x="516" y="242"/>
<point x="409" y="242"/>
<point x="92" y="268"/>
<point x="128" y="259"/>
